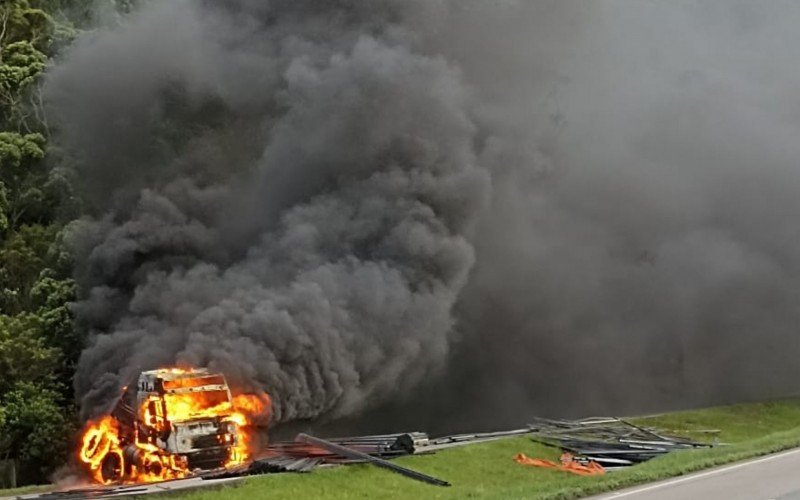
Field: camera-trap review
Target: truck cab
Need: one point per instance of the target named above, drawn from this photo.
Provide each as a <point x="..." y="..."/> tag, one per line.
<point x="169" y="424"/>
<point x="187" y="413"/>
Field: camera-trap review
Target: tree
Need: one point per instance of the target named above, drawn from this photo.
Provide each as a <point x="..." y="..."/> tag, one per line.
<point x="24" y="176"/>
<point x="51" y="297"/>
<point x="32" y="429"/>
<point x="39" y="346"/>
<point x="3" y="211"/>
<point x="24" y="353"/>
<point x="26" y="35"/>
<point x="24" y="256"/>
<point x="22" y="65"/>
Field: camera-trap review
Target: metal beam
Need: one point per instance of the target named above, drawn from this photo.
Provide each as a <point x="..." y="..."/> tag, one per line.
<point x="357" y="455"/>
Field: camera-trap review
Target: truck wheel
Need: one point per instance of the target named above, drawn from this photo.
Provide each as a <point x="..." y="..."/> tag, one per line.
<point x="111" y="468"/>
<point x="154" y="467"/>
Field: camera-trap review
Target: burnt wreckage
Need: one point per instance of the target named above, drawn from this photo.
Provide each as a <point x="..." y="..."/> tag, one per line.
<point x="170" y="423"/>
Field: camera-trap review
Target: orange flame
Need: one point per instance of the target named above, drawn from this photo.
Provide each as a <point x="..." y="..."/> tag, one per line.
<point x="100" y="438"/>
<point x="112" y="455"/>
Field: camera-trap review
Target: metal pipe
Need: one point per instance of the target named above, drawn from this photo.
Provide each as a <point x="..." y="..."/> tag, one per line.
<point x="357" y="455"/>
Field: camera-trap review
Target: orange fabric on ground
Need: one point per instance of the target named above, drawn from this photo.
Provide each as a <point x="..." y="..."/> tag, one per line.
<point x="568" y="464"/>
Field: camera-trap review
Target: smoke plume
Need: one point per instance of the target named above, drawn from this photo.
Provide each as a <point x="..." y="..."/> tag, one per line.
<point x="642" y="256"/>
<point x="510" y="207"/>
<point x="288" y="189"/>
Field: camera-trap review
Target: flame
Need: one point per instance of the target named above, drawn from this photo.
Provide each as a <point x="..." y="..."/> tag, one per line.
<point x="99" y="440"/>
<point x="132" y="456"/>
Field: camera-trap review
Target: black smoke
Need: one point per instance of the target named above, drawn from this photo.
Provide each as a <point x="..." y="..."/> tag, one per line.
<point x="287" y="191"/>
<point x="441" y="213"/>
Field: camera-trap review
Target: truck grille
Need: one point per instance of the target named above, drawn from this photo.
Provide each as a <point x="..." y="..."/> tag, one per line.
<point x="208" y="441"/>
<point x="208" y="459"/>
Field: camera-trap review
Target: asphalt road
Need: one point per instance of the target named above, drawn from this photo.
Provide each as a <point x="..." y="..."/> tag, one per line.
<point x="99" y="492"/>
<point x="772" y="477"/>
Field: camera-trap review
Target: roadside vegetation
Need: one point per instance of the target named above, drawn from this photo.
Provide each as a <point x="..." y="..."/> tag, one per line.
<point x="487" y="471"/>
<point x="39" y="345"/>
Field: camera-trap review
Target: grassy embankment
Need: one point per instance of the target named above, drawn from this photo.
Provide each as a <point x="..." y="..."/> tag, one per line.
<point x="487" y="471"/>
<point x="25" y="490"/>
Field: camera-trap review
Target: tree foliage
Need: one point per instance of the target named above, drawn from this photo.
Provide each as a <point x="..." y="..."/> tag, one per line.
<point x="3" y="210"/>
<point x="33" y="429"/>
<point x="24" y="353"/>
<point x="38" y="344"/>
<point x="26" y="35"/>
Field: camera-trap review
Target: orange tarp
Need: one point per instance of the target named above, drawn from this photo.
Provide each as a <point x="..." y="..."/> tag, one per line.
<point x="568" y="464"/>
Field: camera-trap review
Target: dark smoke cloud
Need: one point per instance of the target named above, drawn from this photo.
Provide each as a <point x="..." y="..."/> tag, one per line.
<point x="288" y="187"/>
<point x="643" y="255"/>
<point x="511" y="207"/>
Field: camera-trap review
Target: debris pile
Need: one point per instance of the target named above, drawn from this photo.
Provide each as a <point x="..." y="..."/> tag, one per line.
<point x="353" y="454"/>
<point x="301" y="455"/>
<point x="383" y="446"/>
<point x="307" y="452"/>
<point x="611" y="442"/>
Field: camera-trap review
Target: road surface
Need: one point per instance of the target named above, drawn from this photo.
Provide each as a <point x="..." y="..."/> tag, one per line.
<point x="98" y="492"/>
<point x="774" y="477"/>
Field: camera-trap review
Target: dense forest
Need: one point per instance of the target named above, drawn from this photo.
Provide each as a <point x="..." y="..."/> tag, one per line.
<point x="38" y="344"/>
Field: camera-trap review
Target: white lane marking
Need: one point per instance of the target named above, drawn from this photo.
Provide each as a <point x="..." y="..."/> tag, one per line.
<point x="700" y="475"/>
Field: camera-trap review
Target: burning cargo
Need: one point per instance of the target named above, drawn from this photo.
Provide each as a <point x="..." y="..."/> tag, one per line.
<point x="171" y="423"/>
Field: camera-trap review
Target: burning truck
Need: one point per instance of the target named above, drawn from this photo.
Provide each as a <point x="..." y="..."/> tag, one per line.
<point x="173" y="423"/>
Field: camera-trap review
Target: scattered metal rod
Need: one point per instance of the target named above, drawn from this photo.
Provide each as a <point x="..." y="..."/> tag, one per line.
<point x="608" y="441"/>
<point x="385" y="445"/>
<point x="648" y="431"/>
<point x="478" y="436"/>
<point x="357" y="455"/>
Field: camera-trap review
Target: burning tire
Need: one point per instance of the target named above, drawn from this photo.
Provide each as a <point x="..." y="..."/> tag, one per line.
<point x="111" y="468"/>
<point x="100" y="451"/>
<point x="95" y="446"/>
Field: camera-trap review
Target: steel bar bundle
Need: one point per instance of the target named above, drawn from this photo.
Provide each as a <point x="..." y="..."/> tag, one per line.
<point x="611" y="442"/>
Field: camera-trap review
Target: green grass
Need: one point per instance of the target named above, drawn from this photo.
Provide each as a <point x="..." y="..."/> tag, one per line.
<point x="25" y="490"/>
<point x="487" y="471"/>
